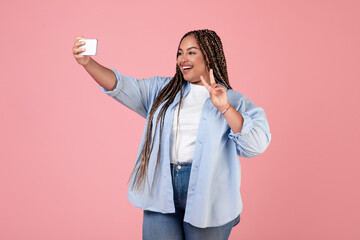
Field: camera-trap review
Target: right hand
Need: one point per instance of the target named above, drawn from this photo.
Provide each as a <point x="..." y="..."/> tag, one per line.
<point x="81" y="59"/>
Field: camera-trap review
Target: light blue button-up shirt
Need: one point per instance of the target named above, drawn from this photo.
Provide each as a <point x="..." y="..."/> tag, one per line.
<point x="213" y="197"/>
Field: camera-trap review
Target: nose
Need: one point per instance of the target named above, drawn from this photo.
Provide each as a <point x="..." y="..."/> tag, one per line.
<point x="183" y="59"/>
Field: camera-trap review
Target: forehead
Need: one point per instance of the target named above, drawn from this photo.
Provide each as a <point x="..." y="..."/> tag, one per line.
<point x="188" y="42"/>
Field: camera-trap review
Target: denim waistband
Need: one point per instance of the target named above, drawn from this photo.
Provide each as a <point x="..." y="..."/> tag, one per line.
<point x="183" y="166"/>
<point x="181" y="163"/>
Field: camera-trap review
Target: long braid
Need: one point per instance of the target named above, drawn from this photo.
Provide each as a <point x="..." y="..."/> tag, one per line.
<point x="212" y="50"/>
<point x="211" y="47"/>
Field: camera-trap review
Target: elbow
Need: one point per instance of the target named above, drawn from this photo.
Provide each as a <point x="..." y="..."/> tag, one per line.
<point x="262" y="141"/>
<point x="262" y="145"/>
<point x="256" y="146"/>
<point x="250" y="153"/>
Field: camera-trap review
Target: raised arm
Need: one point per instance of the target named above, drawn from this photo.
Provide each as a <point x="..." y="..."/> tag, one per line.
<point x="136" y="94"/>
<point x="102" y="75"/>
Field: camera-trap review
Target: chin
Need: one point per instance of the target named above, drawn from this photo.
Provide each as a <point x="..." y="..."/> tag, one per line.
<point x="190" y="80"/>
<point x="186" y="78"/>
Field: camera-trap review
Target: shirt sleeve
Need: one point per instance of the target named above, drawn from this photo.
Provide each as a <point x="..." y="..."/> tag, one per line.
<point x="136" y="94"/>
<point x="255" y="135"/>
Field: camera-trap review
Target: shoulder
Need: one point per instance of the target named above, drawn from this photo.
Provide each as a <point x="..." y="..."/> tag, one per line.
<point x="161" y="82"/>
<point x="238" y="99"/>
<point x="235" y="95"/>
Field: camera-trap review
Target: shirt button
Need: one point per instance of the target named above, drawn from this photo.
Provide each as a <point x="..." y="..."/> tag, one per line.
<point x="193" y="189"/>
<point x="200" y="142"/>
<point x="203" y="118"/>
<point x="196" y="166"/>
<point x="178" y="167"/>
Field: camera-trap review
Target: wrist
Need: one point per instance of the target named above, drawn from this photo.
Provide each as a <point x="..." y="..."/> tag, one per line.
<point x="225" y="108"/>
<point x="85" y="65"/>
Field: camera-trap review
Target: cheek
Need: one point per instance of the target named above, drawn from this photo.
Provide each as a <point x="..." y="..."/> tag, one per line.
<point x="200" y="62"/>
<point x="201" y="65"/>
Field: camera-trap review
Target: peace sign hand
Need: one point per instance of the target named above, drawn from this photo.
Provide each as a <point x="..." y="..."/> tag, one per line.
<point x="218" y="95"/>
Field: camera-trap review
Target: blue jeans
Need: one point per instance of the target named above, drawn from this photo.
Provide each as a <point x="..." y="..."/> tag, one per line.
<point x="171" y="226"/>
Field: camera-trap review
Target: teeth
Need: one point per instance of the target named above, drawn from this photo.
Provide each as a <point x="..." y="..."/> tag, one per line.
<point x="187" y="67"/>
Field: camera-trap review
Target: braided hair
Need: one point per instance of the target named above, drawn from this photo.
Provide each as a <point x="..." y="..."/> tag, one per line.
<point x="212" y="50"/>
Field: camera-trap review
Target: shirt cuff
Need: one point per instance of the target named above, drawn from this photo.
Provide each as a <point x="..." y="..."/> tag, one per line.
<point x="247" y="126"/>
<point x="117" y="87"/>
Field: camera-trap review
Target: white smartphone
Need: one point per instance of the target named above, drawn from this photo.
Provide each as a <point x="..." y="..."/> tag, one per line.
<point x="90" y="46"/>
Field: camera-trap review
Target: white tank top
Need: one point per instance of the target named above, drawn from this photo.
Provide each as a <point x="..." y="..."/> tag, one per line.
<point x="189" y="119"/>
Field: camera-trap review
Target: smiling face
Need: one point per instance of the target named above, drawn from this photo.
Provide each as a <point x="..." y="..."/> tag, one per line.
<point x="191" y="61"/>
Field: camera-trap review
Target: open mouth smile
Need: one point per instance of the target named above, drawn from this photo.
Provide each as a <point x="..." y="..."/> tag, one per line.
<point x="187" y="68"/>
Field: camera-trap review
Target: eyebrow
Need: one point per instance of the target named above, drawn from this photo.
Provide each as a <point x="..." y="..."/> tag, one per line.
<point x="188" y="48"/>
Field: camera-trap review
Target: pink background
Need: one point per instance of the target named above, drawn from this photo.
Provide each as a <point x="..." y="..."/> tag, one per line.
<point x="67" y="149"/>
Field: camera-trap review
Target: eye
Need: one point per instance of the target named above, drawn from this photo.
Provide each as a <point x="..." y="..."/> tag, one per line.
<point x="178" y="54"/>
<point x="191" y="53"/>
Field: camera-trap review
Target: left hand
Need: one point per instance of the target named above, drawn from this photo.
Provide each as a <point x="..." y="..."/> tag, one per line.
<point x="218" y="95"/>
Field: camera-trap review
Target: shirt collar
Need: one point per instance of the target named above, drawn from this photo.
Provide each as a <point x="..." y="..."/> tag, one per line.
<point x="187" y="86"/>
<point x="186" y="90"/>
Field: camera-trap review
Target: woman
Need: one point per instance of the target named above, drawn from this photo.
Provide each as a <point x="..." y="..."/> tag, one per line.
<point x="187" y="174"/>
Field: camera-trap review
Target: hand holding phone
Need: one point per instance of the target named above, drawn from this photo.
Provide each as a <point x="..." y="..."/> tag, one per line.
<point x="90" y="46"/>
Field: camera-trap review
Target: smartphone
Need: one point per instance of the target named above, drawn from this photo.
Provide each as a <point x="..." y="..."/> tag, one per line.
<point x="90" y="46"/>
